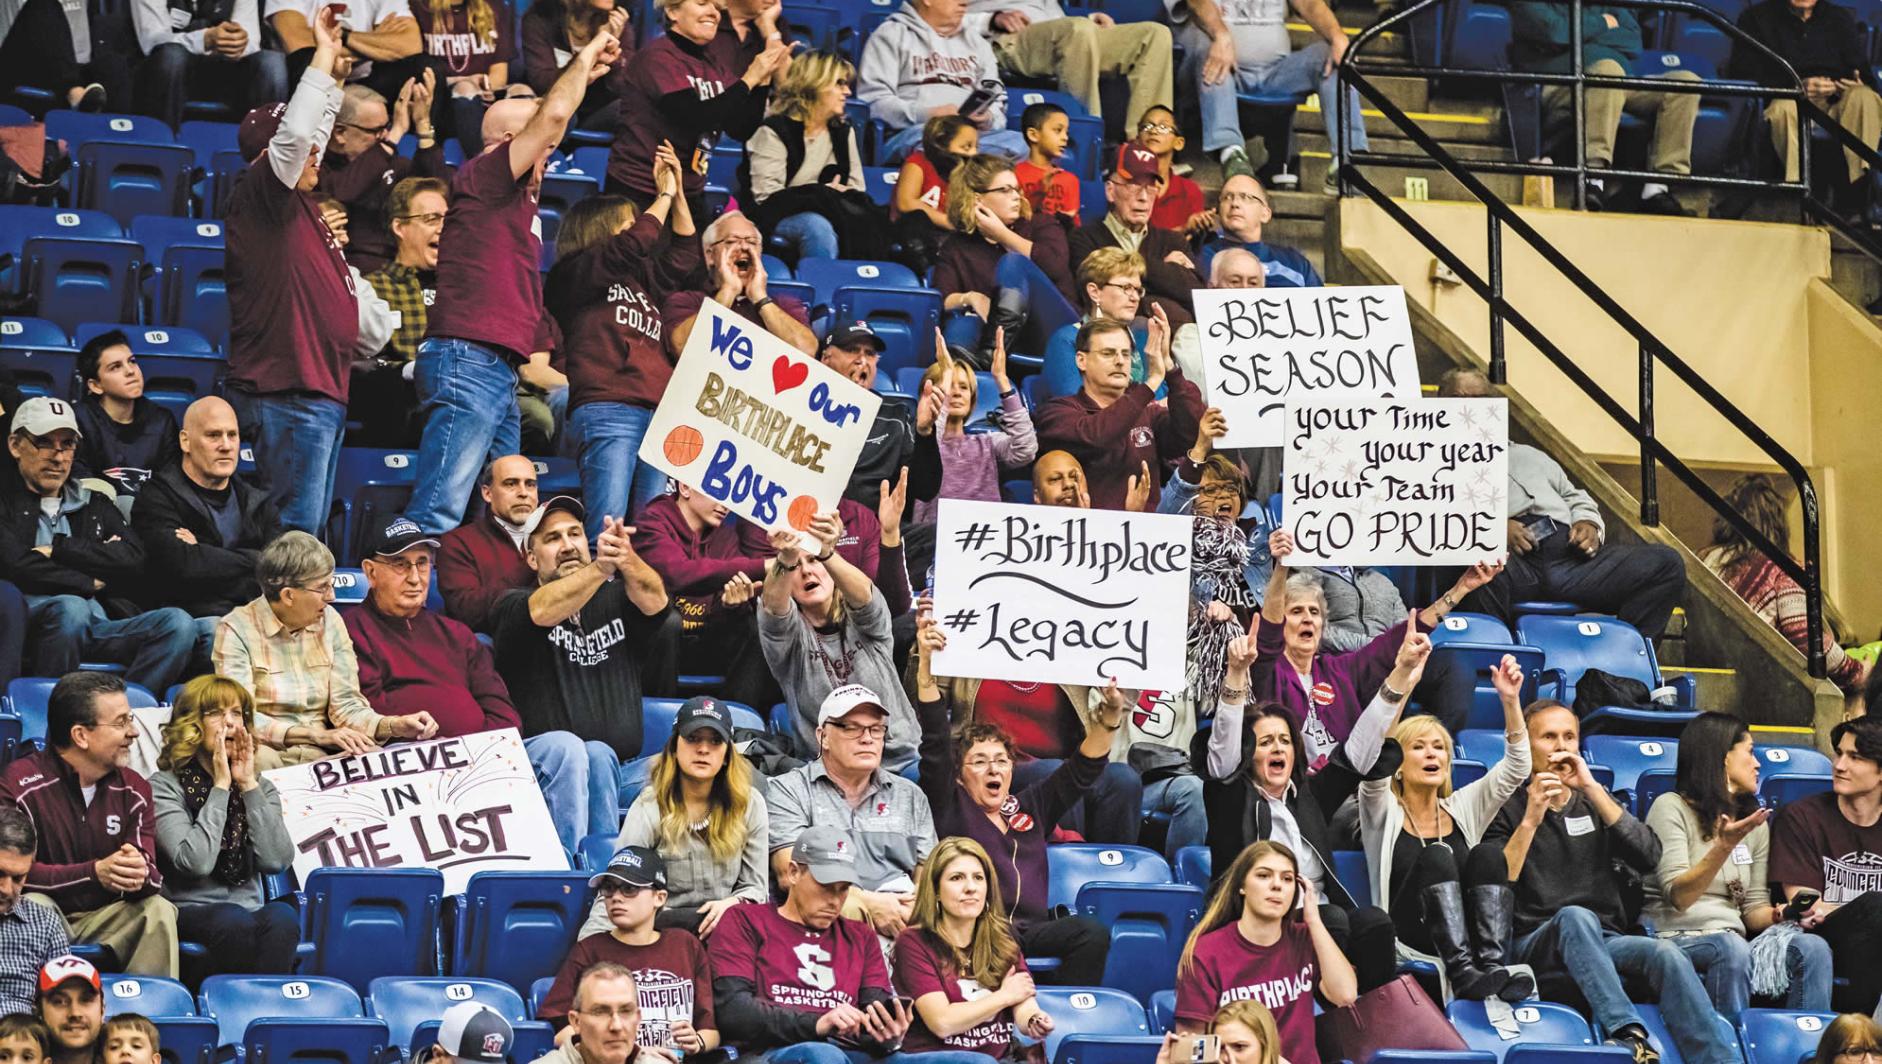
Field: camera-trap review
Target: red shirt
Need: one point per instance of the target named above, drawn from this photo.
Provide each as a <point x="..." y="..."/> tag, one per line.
<point x="671" y="975"/>
<point x="922" y="966"/>
<point x="1181" y="199"/>
<point x="607" y="300"/>
<point x="1038" y="716"/>
<point x="293" y="318"/>
<point x="1227" y="967"/>
<point x="490" y="257"/>
<point x="430" y="663"/>
<point x="934" y="189"/>
<point x="1052" y="191"/>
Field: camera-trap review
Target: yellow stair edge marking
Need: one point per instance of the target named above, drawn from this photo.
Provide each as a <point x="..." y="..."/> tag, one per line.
<point x="1313" y="104"/>
<point x="1699" y="668"/>
<point x="1790" y="729"/>
<point x="1351" y="31"/>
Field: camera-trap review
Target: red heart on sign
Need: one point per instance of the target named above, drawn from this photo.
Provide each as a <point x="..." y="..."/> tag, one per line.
<point x="786" y="374"/>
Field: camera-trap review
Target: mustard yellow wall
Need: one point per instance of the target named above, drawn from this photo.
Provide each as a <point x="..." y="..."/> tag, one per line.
<point x="1745" y="304"/>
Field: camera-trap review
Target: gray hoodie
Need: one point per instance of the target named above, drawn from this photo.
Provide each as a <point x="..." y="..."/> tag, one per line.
<point x="908" y="69"/>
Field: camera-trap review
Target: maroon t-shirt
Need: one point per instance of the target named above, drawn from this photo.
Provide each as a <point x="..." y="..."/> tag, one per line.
<point x="922" y="966"/>
<point x="1227" y="967"/>
<point x="790" y="965"/>
<point x="1814" y="845"/>
<point x="1038" y="716"/>
<point x="489" y="284"/>
<point x="687" y="94"/>
<point x="671" y="974"/>
<point x="293" y="317"/>
<point x="607" y="300"/>
<point x="449" y="38"/>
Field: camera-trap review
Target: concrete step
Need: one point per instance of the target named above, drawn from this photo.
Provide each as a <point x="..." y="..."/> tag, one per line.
<point x="1385" y="48"/>
<point x="1464" y="151"/>
<point x="1466" y="123"/>
<point x="1437" y="184"/>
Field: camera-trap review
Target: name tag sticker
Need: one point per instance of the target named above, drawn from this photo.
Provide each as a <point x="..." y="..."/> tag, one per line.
<point x="1579" y="825"/>
<point x="1741" y="854"/>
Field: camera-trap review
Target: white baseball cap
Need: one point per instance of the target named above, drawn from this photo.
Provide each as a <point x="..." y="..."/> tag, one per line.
<point x="848" y="699"/>
<point x="41" y="415"/>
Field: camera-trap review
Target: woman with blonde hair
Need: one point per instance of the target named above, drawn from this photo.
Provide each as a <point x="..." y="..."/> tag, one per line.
<point x="804" y="169"/>
<point x="702" y="813"/>
<point x="957" y="937"/>
<point x="1246" y="1032"/>
<point x="1261" y="934"/>
<point x="973" y="462"/>
<point x="1447" y="890"/>
<point x="219" y="832"/>
<point x="1003" y="266"/>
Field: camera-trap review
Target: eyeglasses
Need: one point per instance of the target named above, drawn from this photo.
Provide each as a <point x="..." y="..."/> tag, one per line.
<point x="1119" y="353"/>
<point x="404" y="566"/>
<point x="863" y="731"/>
<point x="371" y="131"/>
<point x="1218" y="491"/>
<point x="1154" y="128"/>
<point x="429" y="219"/>
<point x="1860" y="1054"/>
<point x="983" y="764"/>
<point x="1230" y="198"/>
<point x="603" y="1014"/>
<point x="998" y="188"/>
<point x="751" y="241"/>
<point x="625" y="890"/>
<point x="1128" y="289"/>
<point x="842" y="83"/>
<point x="324" y="589"/>
<point x="49" y="445"/>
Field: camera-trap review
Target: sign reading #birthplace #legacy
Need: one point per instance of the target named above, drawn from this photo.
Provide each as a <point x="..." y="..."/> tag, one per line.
<point x="1388" y="483"/>
<point x="1061" y="595"/>
<point x="462" y="806"/>
<point x="1263" y="348"/>
<point x="758" y="425"/>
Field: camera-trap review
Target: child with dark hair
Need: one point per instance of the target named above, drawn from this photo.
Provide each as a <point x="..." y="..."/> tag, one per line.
<point x="124" y="438"/>
<point x="919" y="207"/>
<point x="1180" y="204"/>
<point x="129" y="1038"/>
<point x="1050" y="190"/>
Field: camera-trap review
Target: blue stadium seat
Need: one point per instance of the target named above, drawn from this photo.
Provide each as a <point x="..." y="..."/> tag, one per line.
<point x="537" y="991"/>
<point x="151" y="995"/>
<point x="592" y="161"/>
<point x="1465" y="772"/>
<point x="1781" y="788"/>
<point x="11" y="728"/>
<point x="1090" y="1010"/>
<point x="797" y="290"/>
<point x="824" y="29"/>
<point x="533" y="1040"/>
<point x="157" y="232"/>
<point x="1649" y="787"/>
<point x="370" y="484"/>
<point x="828" y="275"/>
<point x="1480" y="660"/>
<point x="905" y="318"/>
<point x="1019" y="491"/>
<point x="208" y="138"/>
<point x="517" y="926"/>
<point x="1108" y="1049"/>
<point x="880" y="180"/>
<point x="194" y="291"/>
<point x="1549" y="1053"/>
<point x="595" y="850"/>
<point x="1193" y="866"/>
<point x="74" y="280"/>
<point x="1629" y="756"/>
<point x="395" y="909"/>
<point x="353" y="1041"/>
<point x="1539" y="1022"/>
<point x="776" y="269"/>
<point x="1149" y="924"/>
<point x="235" y="1001"/>
<point x="126" y="180"/>
<point x="14" y="116"/>
<point x="186" y="1039"/>
<point x="40" y="355"/>
<point x="1431" y="1056"/>
<point x="1462" y="627"/>
<point x="349" y="586"/>
<point x="562" y="191"/>
<point x="1349" y="867"/>
<point x="20" y="224"/>
<point x="77" y="128"/>
<point x="1071" y="865"/>
<point x="1573" y="645"/>
<point x="405" y="1003"/>
<point x="26" y="699"/>
<point x="1162" y="1011"/>
<point x="1775" y="1036"/>
<point x="1795" y="759"/>
<point x="225" y="167"/>
<point x="1480" y="36"/>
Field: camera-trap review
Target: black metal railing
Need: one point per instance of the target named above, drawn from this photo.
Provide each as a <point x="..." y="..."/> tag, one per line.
<point x="1355" y="72"/>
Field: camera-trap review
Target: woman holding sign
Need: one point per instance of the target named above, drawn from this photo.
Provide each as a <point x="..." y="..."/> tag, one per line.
<point x="219" y="831"/>
<point x="1326" y="692"/>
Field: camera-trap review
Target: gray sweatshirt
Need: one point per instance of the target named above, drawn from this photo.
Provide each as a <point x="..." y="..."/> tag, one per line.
<point x="909" y="68"/>
<point x="189" y="847"/>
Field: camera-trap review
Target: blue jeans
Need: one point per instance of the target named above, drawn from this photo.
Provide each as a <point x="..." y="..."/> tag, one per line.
<point x="577" y="780"/>
<point x="1723" y="961"/>
<point x="614" y="479"/>
<point x="1008" y="142"/>
<point x="1022" y="288"/>
<point x="1296" y="72"/>
<point x="830" y="1053"/>
<point x="153" y="647"/>
<point x="1596" y="959"/>
<point x="1181" y="797"/>
<point x="297" y="447"/>
<point x="467" y="391"/>
<point x="808" y="235"/>
<point x="12" y="632"/>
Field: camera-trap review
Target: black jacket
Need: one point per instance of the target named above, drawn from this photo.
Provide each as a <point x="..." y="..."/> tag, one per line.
<point x="1239" y="816"/>
<point x="1166" y="279"/>
<point x="893" y="443"/>
<point x="125" y="455"/>
<point x="99" y="545"/>
<point x="209" y="577"/>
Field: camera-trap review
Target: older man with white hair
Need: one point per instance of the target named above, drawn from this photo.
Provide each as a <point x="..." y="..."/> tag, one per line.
<point x="736" y="274"/>
<point x="488" y="317"/>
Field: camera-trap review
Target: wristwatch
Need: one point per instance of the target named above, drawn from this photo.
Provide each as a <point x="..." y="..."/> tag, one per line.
<point x="1391" y="697"/>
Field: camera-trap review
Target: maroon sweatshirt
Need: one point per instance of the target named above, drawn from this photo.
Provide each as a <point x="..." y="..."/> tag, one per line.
<point x="1113" y="442"/>
<point x="478" y="564"/>
<point x="686" y="94"/>
<point x="73" y="836"/>
<point x="430" y="663"/>
<point x="607" y="300"/>
<point x="695" y="567"/>
<point x="969" y="261"/>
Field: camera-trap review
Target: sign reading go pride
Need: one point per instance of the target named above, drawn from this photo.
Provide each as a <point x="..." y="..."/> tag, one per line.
<point x="462" y="806"/>
<point x="1263" y="348"/>
<point x="1061" y="595"/>
<point x="1378" y="482"/>
<point x="756" y="424"/>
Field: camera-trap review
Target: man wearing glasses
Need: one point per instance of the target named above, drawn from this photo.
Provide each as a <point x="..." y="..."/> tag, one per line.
<point x="383" y="400"/>
<point x="735" y="272"/>
<point x="76" y="560"/>
<point x="97" y="857"/>
<point x="363" y="166"/>
<point x="1244" y="210"/>
<point x="1169" y="272"/>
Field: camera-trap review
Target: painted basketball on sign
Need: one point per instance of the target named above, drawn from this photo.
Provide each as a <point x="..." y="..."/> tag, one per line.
<point x="683" y="444"/>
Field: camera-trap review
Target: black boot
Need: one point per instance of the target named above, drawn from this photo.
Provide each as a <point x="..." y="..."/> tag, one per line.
<point x="1008" y="314"/>
<point x="1492" y="912"/>
<point x="1444" y="911"/>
